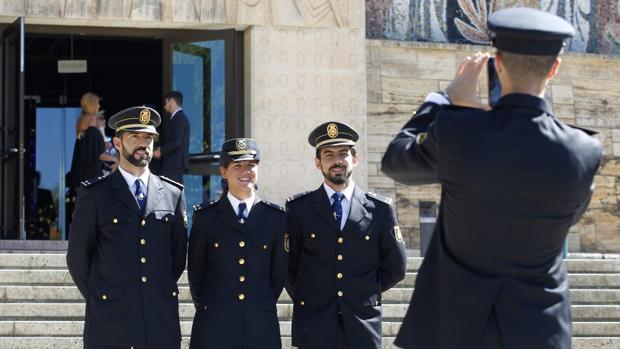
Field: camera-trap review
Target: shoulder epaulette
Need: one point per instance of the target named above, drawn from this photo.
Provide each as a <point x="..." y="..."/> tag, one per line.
<point x="91" y="181"/>
<point x="297" y="196"/>
<point x="272" y="205"/>
<point x="204" y="205"/>
<point x="381" y="198"/>
<point x="176" y="184"/>
<point x="586" y="130"/>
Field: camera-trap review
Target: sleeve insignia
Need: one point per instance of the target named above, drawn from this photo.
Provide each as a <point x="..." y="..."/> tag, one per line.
<point x="421" y="137"/>
<point x="287" y="246"/>
<point x="398" y="233"/>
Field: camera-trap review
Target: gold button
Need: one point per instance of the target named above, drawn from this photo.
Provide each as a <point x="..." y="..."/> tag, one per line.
<point x="142" y="242"/>
<point x="143" y="222"/>
<point x="242" y="261"/>
<point x="340" y="240"/>
<point x="340" y="257"/>
<point x="216" y="245"/>
<point x="312" y="236"/>
<point x="339" y="275"/>
<point x="144" y="279"/>
<point x="302" y="303"/>
<point x="104" y="297"/>
<point x="241" y="296"/>
<point x="241" y="243"/>
<point x="115" y="221"/>
<point x="264" y="247"/>
<point x="143" y="260"/>
<point x="367" y="237"/>
<point x="166" y="219"/>
<point x="340" y="293"/>
<point x="205" y="307"/>
<point x="174" y="294"/>
<point x="241" y="278"/>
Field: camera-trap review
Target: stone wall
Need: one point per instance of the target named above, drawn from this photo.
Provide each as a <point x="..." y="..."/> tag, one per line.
<point x="585" y="92"/>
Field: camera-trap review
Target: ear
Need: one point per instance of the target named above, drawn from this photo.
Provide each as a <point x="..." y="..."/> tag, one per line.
<point x="117" y="143"/>
<point x="499" y="62"/>
<point x="223" y="172"/>
<point x="554" y="69"/>
<point x="317" y="163"/>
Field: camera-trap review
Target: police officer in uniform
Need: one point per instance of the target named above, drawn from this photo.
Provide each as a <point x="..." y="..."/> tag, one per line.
<point x="345" y="250"/>
<point x="237" y="261"/>
<point x="514" y="179"/>
<point x="128" y="245"/>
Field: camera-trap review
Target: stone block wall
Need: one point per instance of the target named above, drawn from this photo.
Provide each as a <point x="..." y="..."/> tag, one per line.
<point x="585" y="93"/>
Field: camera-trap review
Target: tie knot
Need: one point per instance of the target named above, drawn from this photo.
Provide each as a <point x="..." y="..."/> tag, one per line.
<point x="337" y="197"/>
<point x="242" y="207"/>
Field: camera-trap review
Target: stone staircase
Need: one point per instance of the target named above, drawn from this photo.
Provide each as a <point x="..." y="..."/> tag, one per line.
<point x="40" y="308"/>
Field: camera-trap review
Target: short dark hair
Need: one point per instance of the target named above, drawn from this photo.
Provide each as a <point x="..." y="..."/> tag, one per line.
<point x="317" y="154"/>
<point x="176" y="95"/>
<point x="527" y="68"/>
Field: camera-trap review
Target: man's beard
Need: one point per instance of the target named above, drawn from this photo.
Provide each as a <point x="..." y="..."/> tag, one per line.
<point x="340" y="178"/>
<point x="138" y="162"/>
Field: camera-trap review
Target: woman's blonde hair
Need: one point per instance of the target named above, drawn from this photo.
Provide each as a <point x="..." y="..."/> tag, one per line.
<point x="90" y="103"/>
<point x="90" y="107"/>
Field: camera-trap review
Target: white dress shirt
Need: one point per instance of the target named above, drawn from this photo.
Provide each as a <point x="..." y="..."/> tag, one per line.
<point x="346" y="201"/>
<point x="249" y="202"/>
<point x="131" y="180"/>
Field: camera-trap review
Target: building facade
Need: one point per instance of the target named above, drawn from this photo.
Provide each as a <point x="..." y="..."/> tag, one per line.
<point x="272" y="70"/>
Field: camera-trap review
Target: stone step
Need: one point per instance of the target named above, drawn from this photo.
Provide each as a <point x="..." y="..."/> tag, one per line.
<point x="36" y="293"/>
<point x="75" y="311"/>
<point x="57" y="261"/>
<point x="390" y="328"/>
<point x="62" y="277"/>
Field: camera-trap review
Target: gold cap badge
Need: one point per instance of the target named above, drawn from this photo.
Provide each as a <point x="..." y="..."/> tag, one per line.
<point x="242" y="144"/>
<point x="145" y="116"/>
<point x="332" y="130"/>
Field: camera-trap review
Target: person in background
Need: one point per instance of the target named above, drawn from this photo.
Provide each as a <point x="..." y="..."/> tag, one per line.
<point x="237" y="260"/>
<point x="174" y="151"/>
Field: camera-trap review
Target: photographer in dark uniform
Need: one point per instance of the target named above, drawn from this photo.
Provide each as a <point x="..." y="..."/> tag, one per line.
<point x="237" y="261"/>
<point x="346" y="249"/>
<point x="128" y="245"/>
<point x="514" y="179"/>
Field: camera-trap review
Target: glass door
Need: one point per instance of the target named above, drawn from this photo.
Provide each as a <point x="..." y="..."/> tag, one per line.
<point x="207" y="69"/>
<point x="12" y="214"/>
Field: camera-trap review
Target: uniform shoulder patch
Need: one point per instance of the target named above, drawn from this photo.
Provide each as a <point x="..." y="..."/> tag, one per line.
<point x="384" y="199"/>
<point x="176" y="184"/>
<point x="204" y="205"/>
<point x="297" y="196"/>
<point x="272" y="205"/>
<point x="92" y="181"/>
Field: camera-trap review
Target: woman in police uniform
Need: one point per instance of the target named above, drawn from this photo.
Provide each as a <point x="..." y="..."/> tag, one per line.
<point x="237" y="260"/>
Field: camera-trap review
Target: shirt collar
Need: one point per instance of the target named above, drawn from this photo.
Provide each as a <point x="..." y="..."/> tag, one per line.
<point x="347" y="192"/>
<point x="174" y="112"/>
<point x="235" y="202"/>
<point x="131" y="179"/>
<point x="522" y="100"/>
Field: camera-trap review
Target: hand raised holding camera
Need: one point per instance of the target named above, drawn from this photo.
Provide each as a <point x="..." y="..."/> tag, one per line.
<point x="462" y="90"/>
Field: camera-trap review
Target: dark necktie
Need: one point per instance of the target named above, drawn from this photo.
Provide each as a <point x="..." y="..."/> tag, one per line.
<point x="241" y="214"/>
<point x="140" y="195"/>
<point x="337" y="207"/>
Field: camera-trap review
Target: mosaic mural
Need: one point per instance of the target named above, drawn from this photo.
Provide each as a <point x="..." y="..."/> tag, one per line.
<point x="597" y="22"/>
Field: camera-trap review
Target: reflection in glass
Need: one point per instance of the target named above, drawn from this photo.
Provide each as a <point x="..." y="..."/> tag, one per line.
<point x="198" y="71"/>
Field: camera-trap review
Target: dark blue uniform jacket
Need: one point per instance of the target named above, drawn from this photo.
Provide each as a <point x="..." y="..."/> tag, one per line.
<point x="126" y="265"/>
<point x="236" y="274"/>
<point x="334" y="271"/>
<point x="514" y="179"/>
